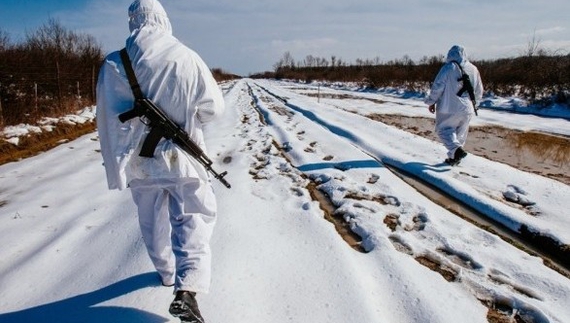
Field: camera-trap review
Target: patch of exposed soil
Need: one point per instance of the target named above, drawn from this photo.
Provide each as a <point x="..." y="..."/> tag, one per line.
<point x="341" y="226"/>
<point x="539" y="153"/>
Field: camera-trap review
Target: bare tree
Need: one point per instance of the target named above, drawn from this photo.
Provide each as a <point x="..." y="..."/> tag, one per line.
<point x="287" y="61"/>
<point x="4" y="40"/>
<point x="533" y="47"/>
<point x="310" y="61"/>
<point x="322" y="62"/>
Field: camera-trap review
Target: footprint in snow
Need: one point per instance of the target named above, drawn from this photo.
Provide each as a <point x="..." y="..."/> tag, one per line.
<point x="373" y="179"/>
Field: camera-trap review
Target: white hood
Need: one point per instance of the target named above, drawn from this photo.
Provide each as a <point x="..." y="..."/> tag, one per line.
<point x="457" y="53"/>
<point x="148" y="13"/>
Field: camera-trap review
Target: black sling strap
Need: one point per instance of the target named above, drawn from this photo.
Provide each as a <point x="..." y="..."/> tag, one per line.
<point x="135" y="87"/>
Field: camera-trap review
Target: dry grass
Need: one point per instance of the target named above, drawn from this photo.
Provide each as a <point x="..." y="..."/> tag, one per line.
<point x="36" y="143"/>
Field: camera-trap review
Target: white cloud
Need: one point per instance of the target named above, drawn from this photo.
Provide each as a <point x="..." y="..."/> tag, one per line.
<point x="317" y="46"/>
<point x="552" y="30"/>
<point x="250" y="36"/>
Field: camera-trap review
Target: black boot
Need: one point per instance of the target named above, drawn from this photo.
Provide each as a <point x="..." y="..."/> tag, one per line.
<point x="459" y="154"/>
<point x="451" y="161"/>
<point x="185" y="307"/>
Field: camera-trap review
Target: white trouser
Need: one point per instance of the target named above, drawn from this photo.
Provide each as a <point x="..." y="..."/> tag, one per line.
<point x="177" y="218"/>
<point x="452" y="130"/>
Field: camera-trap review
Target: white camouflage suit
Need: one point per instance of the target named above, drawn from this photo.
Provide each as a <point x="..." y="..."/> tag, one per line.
<point x="176" y="204"/>
<point x="453" y="113"/>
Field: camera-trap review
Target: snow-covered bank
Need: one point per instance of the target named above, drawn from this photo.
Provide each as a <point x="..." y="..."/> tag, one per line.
<point x="72" y="251"/>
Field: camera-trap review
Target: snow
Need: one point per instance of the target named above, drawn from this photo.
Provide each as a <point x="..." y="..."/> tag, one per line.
<point x="72" y="252"/>
<point x="12" y="134"/>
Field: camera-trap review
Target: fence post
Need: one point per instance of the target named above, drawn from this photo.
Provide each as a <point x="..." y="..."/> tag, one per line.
<point x="93" y="84"/>
<point x="78" y="95"/>
<point x="36" y="96"/>
<point x="59" y="97"/>
<point x="1" y="114"/>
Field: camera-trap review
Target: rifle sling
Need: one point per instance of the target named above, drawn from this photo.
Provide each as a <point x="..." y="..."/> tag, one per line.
<point x="152" y="139"/>
<point x="135" y="87"/>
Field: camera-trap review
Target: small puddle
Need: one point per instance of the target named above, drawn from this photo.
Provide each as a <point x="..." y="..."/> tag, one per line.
<point x="540" y="153"/>
<point x="545" y="148"/>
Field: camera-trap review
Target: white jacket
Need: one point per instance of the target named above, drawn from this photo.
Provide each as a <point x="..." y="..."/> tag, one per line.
<point x="444" y="90"/>
<point x="175" y="78"/>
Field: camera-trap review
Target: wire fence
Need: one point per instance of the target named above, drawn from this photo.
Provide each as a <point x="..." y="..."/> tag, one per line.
<point x="27" y="95"/>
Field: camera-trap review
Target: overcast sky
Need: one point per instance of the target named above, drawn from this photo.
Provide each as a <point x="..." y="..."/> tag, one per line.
<point x="250" y="36"/>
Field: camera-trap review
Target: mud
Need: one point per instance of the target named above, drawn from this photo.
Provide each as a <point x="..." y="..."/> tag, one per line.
<point x="543" y="154"/>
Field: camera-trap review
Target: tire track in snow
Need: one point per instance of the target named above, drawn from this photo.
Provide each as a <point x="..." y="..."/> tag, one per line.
<point x="292" y="243"/>
<point x="452" y="263"/>
<point x="556" y="254"/>
<point x="325" y="203"/>
<point x="495" y="210"/>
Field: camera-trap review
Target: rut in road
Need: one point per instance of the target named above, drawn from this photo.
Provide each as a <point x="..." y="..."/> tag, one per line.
<point x="353" y="186"/>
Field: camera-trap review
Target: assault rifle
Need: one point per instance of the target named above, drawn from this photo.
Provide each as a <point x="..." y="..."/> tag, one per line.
<point x="162" y="127"/>
<point x="467" y="87"/>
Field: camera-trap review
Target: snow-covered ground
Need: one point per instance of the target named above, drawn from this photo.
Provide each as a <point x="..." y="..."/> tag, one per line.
<point x="71" y="250"/>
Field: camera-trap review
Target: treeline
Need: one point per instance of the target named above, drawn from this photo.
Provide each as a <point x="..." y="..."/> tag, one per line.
<point x="51" y="72"/>
<point x="221" y="75"/>
<point x="536" y="76"/>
